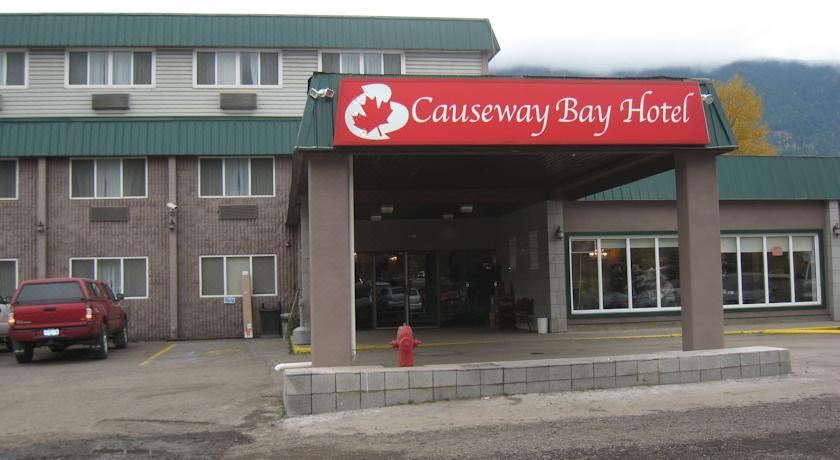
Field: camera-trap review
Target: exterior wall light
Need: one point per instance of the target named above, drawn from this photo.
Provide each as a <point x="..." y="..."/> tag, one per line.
<point x="40" y="228"/>
<point x="836" y="229"/>
<point x="558" y="234"/>
<point x="707" y="99"/>
<point x="323" y="93"/>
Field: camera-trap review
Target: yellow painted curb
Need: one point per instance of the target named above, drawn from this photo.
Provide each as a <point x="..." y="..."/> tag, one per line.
<point x="302" y="350"/>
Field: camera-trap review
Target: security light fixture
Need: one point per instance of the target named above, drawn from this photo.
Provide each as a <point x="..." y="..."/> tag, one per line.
<point x="466" y="208"/>
<point x="836" y="229"/>
<point x="558" y="234"/>
<point x="323" y="93"/>
<point x="387" y="209"/>
<point x="448" y="216"/>
<point x="376" y="218"/>
<point x="171" y="206"/>
<point x="40" y="228"/>
<point x="707" y="99"/>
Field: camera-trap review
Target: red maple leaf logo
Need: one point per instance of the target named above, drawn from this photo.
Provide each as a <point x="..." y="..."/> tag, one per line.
<point x="374" y="115"/>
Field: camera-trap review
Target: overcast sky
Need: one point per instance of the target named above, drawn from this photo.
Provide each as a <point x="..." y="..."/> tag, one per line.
<point x="584" y="35"/>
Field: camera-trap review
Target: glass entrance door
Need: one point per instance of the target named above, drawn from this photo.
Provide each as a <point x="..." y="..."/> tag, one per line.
<point x="404" y="291"/>
<point x="389" y="291"/>
<point x="423" y="307"/>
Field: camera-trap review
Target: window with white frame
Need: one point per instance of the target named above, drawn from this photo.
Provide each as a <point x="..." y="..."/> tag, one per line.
<point x="237" y="68"/>
<point x="12" y="68"/>
<point x="362" y="62"/>
<point x="108" y="178"/>
<point x="222" y="275"/>
<point x="8" y="179"/>
<point x="8" y="277"/>
<point x="641" y="273"/>
<point x="125" y="275"/>
<point x="232" y="177"/>
<point x="110" y="68"/>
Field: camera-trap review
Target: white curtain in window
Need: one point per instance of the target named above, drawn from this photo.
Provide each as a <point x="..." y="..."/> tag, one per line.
<point x="373" y="63"/>
<point x="108" y="270"/>
<point x="108" y="180"/>
<point x="236" y="177"/>
<point x="235" y="267"/>
<point x="250" y="68"/>
<point x="98" y="68"/>
<point x="350" y="63"/>
<point x="226" y="68"/>
<point x="122" y="68"/>
<point x="2" y="69"/>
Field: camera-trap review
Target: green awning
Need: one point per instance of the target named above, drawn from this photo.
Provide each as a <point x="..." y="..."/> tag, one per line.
<point x="263" y="31"/>
<point x="746" y="178"/>
<point x="147" y="136"/>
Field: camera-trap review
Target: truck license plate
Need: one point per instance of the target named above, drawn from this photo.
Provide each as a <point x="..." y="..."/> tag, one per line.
<point x="50" y="332"/>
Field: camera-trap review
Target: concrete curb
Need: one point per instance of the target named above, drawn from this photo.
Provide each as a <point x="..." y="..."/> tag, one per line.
<point x="336" y="389"/>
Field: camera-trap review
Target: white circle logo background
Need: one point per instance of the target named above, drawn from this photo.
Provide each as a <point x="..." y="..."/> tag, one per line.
<point x="382" y="94"/>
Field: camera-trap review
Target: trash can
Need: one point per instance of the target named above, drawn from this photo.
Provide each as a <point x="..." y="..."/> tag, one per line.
<point x="270" y="320"/>
<point x="542" y="325"/>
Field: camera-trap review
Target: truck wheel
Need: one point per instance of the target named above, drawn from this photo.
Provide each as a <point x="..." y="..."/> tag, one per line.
<point x="121" y="339"/>
<point x="102" y="344"/>
<point x="24" y="352"/>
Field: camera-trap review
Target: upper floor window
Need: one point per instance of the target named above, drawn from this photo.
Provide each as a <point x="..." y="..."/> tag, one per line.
<point x="108" y="178"/>
<point x="110" y="68"/>
<point x="362" y="63"/>
<point x="230" y="177"/>
<point x="8" y="179"/>
<point x="237" y="68"/>
<point x="12" y="68"/>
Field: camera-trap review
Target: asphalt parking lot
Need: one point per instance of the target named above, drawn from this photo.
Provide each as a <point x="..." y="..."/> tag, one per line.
<point x="220" y="398"/>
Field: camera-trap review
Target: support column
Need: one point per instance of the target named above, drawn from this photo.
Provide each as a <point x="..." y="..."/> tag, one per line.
<point x="173" y="248"/>
<point x="41" y="212"/>
<point x="698" y="224"/>
<point x="331" y="259"/>
<point x="558" y="321"/>
<point x="832" y="260"/>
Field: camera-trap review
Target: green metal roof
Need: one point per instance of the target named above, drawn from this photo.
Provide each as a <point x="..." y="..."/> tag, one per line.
<point x="746" y="178"/>
<point x="174" y="30"/>
<point x="147" y="136"/>
<point x="316" y="130"/>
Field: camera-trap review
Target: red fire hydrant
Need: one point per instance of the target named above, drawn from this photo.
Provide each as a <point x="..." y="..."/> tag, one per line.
<point x="405" y="345"/>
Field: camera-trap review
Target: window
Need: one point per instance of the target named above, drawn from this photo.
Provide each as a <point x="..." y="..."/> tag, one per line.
<point x="12" y="68"/>
<point x="8" y="277"/>
<point x="237" y="68"/>
<point x="221" y="275"/>
<point x="108" y="178"/>
<point x="362" y="63"/>
<point x="110" y="68"/>
<point x="230" y="177"/>
<point x="126" y="275"/>
<point x="8" y="179"/>
<point x="756" y="270"/>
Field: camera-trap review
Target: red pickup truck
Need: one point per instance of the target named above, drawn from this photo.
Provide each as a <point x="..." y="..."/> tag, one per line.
<point x="60" y="312"/>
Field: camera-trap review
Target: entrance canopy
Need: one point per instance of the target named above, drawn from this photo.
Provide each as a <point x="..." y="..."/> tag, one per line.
<point x="499" y="141"/>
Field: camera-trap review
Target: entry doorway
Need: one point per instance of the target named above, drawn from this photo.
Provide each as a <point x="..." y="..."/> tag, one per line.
<point x="423" y="288"/>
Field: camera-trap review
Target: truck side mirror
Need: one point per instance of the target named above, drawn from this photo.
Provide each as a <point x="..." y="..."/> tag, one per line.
<point x="120" y="297"/>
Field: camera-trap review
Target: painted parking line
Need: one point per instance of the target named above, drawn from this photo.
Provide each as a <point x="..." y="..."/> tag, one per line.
<point x="303" y="350"/>
<point x="157" y="355"/>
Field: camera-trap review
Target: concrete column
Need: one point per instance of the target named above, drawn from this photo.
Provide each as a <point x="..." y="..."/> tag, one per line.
<point x="331" y="259"/>
<point x="832" y="260"/>
<point x="172" y="223"/>
<point x="698" y="224"/>
<point x="301" y="334"/>
<point x="558" y="321"/>
<point x="41" y="212"/>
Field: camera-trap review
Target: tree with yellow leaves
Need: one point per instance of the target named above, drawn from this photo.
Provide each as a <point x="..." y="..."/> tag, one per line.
<point x="745" y="110"/>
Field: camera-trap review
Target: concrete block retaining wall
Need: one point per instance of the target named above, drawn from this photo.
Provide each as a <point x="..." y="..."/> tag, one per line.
<point x="322" y="390"/>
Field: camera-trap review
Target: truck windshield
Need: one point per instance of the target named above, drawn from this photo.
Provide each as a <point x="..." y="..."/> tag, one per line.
<point x="50" y="293"/>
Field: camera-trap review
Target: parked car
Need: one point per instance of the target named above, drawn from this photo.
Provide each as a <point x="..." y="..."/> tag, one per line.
<point x="5" y="308"/>
<point x="61" y="312"/>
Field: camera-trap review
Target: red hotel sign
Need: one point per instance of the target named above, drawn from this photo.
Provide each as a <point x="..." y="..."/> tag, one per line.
<point x="451" y="111"/>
